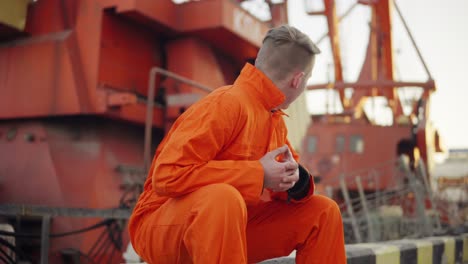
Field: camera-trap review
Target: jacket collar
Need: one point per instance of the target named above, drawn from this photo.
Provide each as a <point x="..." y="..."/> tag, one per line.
<point x="263" y="88"/>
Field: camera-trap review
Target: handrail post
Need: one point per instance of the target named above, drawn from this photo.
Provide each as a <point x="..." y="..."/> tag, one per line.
<point x="150" y="105"/>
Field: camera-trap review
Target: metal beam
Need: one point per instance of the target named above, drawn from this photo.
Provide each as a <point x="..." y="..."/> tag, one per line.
<point x="37" y="210"/>
<point x="149" y="107"/>
<point x="45" y="233"/>
<point x="349" y="208"/>
<point x="362" y="196"/>
<point x="369" y="84"/>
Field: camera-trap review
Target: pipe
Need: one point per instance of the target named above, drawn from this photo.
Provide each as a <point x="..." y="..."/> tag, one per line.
<point x="369" y="84"/>
<point x="150" y="105"/>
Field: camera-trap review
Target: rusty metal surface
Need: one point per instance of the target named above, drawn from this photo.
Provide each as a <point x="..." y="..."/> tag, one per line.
<point x="191" y="16"/>
<point x="379" y="152"/>
<point x="80" y="46"/>
<point x="228" y="28"/>
<point x="57" y="78"/>
<point x="127" y="53"/>
<point x="67" y="168"/>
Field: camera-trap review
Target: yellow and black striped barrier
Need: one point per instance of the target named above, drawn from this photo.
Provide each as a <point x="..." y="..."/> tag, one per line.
<point x="431" y="250"/>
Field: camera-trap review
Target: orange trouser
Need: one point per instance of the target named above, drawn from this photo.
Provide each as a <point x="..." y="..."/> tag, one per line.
<point x="213" y="225"/>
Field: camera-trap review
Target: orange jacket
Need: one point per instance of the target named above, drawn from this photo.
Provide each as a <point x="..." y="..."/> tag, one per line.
<point x="220" y="139"/>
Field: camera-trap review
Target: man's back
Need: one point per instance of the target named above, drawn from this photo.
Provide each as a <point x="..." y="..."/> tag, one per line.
<point x="237" y="119"/>
<point x="202" y="199"/>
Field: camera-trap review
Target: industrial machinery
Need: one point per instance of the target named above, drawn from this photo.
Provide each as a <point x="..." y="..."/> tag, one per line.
<point x="360" y="159"/>
<point x="353" y="139"/>
<point x="89" y="88"/>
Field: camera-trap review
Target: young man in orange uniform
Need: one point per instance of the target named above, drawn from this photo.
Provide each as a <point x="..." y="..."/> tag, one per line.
<point x="201" y="202"/>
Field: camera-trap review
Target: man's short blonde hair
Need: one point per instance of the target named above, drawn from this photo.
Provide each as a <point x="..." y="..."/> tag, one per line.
<point x="286" y="49"/>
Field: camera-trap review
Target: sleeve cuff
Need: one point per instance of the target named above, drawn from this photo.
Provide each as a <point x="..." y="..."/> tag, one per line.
<point x="302" y="187"/>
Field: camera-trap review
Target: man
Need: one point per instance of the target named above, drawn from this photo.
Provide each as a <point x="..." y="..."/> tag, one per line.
<point x="202" y="200"/>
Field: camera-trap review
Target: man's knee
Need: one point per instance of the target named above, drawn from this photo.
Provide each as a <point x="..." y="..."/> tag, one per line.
<point x="324" y="204"/>
<point x="224" y="198"/>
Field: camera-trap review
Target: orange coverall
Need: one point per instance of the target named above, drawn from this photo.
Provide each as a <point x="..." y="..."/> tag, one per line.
<point x="202" y="199"/>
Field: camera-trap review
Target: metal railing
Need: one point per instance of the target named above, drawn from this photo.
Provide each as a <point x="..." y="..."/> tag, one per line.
<point x="149" y="107"/>
<point x="408" y="210"/>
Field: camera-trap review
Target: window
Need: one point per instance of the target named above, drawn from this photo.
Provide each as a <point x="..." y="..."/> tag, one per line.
<point x="356" y="144"/>
<point x="312" y="144"/>
<point x="340" y="144"/>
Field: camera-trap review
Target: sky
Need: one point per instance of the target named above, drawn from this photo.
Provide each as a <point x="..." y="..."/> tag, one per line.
<point x="440" y="31"/>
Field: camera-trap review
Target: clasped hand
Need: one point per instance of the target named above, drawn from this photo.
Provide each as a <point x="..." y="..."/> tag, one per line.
<point x="279" y="174"/>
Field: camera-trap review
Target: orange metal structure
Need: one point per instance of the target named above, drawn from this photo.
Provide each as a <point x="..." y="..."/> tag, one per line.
<point x="349" y="144"/>
<point x="74" y="85"/>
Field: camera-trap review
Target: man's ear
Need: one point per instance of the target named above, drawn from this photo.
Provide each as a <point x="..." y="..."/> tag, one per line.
<point x="297" y="80"/>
